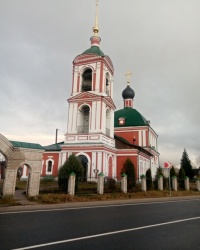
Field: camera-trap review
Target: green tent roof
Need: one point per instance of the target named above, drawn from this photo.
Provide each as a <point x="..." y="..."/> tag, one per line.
<point x="132" y="118"/>
<point x="94" y="50"/>
<point x="19" y="144"/>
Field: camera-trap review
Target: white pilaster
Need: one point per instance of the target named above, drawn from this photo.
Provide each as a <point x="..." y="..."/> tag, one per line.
<point x="93" y="163"/>
<point x="140" y="138"/>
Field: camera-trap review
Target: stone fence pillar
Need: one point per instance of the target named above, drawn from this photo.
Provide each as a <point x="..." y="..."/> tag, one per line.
<point x="124" y="183"/>
<point x="71" y="184"/>
<point x="160" y="182"/>
<point x="100" y="183"/>
<point x="197" y="184"/>
<point x="187" y="184"/>
<point x="174" y="183"/>
<point x="143" y="183"/>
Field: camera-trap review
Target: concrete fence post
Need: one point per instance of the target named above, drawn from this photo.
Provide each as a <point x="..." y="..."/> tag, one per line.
<point x="174" y="183"/>
<point x="187" y="184"/>
<point x="71" y="183"/>
<point x="197" y="184"/>
<point x="100" y="183"/>
<point x="160" y="182"/>
<point x="143" y="183"/>
<point x="124" y="183"/>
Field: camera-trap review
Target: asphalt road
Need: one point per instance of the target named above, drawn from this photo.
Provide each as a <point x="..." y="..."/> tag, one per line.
<point x="151" y="225"/>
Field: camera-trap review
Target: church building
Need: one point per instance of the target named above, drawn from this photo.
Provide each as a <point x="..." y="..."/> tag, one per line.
<point x="99" y="136"/>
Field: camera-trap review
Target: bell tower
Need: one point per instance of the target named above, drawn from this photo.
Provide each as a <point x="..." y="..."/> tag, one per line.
<point x="91" y="108"/>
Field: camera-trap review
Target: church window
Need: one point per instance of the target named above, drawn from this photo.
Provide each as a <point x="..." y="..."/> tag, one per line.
<point x="83" y="119"/>
<point x="108" y="119"/>
<point x="49" y="167"/>
<point x="107" y="85"/>
<point x="87" y="80"/>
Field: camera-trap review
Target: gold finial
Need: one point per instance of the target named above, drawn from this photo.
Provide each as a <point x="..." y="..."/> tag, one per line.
<point x="128" y="75"/>
<point x="95" y="28"/>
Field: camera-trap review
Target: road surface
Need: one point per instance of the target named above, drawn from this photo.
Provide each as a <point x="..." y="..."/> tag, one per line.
<point x="148" y="225"/>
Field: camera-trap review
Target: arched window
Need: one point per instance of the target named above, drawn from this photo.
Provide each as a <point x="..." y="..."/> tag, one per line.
<point x="84" y="161"/>
<point x="83" y="120"/>
<point x="108" y="119"/>
<point x="87" y="80"/>
<point x="107" y="87"/>
<point x="49" y="167"/>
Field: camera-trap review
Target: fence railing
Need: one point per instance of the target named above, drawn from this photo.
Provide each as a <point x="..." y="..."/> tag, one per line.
<point x="83" y="186"/>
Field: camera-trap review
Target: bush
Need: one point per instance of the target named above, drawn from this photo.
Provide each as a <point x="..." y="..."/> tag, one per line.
<point x="71" y="165"/>
<point x="129" y="170"/>
<point x="112" y="185"/>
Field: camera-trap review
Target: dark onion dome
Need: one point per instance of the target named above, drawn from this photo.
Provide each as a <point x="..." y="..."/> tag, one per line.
<point x="128" y="93"/>
<point x="132" y="118"/>
<point x="94" y="50"/>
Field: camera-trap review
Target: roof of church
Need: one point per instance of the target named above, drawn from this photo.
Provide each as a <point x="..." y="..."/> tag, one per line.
<point x="54" y="147"/>
<point x="132" y="118"/>
<point x="19" y="144"/>
<point x="132" y="145"/>
<point x="94" y="50"/>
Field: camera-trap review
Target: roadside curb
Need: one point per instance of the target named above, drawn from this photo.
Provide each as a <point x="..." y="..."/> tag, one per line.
<point x="33" y="207"/>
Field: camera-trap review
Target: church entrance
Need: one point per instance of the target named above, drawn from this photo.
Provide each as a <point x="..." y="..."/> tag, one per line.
<point x="84" y="161"/>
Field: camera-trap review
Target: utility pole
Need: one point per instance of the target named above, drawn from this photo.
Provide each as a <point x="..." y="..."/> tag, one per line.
<point x="56" y="140"/>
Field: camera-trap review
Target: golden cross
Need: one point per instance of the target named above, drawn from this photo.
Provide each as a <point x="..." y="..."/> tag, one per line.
<point x="95" y="28"/>
<point x="128" y="75"/>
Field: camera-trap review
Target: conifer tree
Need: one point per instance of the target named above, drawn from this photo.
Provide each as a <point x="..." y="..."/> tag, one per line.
<point x="149" y="179"/>
<point x="72" y="164"/>
<point x="185" y="163"/>
<point x="129" y="170"/>
<point x="172" y="172"/>
<point x="181" y="177"/>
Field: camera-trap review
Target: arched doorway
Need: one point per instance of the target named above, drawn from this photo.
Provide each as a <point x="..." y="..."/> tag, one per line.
<point x="84" y="161"/>
<point x="23" y="179"/>
<point x="17" y="154"/>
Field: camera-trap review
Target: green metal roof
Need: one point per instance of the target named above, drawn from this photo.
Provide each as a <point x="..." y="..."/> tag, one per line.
<point x="132" y="118"/>
<point x="19" y="144"/>
<point x="94" y="50"/>
<point x="54" y="147"/>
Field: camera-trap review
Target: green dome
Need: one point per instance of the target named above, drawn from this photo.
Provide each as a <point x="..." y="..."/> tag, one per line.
<point x="94" y="50"/>
<point x="132" y="118"/>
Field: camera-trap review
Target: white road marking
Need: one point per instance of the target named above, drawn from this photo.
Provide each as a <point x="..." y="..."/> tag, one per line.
<point x="105" y="234"/>
<point x="93" y="207"/>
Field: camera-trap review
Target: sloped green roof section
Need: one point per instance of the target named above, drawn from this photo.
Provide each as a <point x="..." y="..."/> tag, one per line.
<point x="94" y="50"/>
<point x="54" y="147"/>
<point x="132" y="118"/>
<point x="19" y="144"/>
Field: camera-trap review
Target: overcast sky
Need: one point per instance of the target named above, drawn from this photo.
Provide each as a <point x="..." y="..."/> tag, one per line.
<point x="157" y="40"/>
